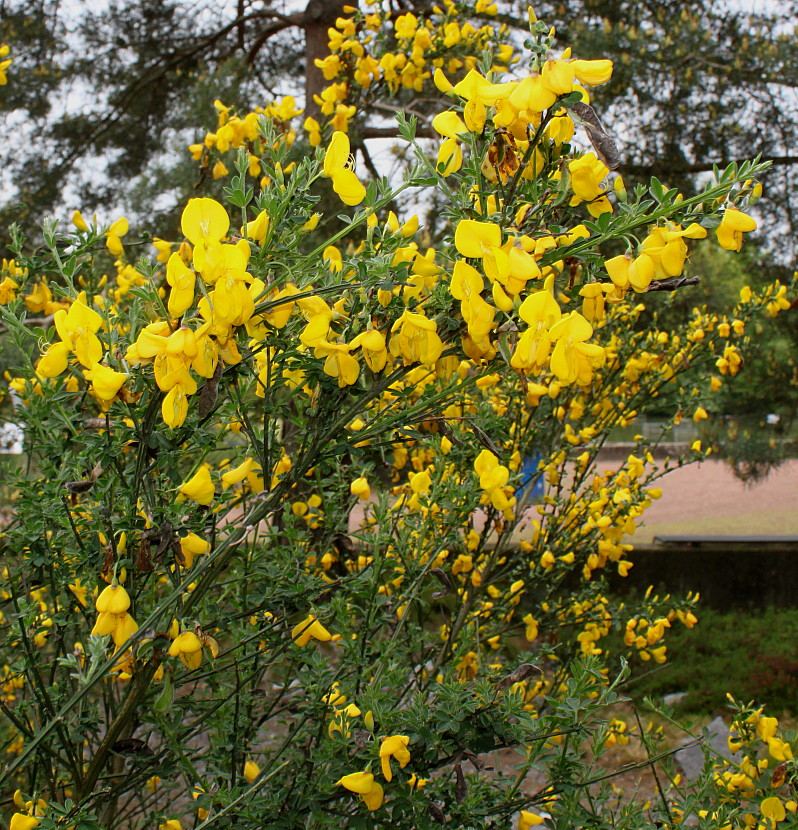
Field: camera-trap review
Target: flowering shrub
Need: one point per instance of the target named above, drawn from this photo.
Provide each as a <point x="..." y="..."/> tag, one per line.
<point x="276" y="560"/>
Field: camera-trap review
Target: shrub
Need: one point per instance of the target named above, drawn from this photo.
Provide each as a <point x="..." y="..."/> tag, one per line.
<point x="190" y="631"/>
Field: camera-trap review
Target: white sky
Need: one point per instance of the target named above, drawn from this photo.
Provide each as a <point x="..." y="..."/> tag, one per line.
<point x="78" y="97"/>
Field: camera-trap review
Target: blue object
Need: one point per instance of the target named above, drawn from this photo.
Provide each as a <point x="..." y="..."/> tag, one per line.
<point x="532" y="484"/>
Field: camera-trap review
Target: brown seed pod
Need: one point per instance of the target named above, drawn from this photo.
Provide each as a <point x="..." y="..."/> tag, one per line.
<point x="79" y="486"/>
<point x="460" y="785"/>
<point x="779" y="776"/>
<point x="443" y="578"/>
<point x="210" y="392"/>
<point x="521" y="673"/>
<point x="603" y="143"/>
<point x="132" y="746"/>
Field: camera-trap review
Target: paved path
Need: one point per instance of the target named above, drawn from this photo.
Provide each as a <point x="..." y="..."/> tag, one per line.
<point x="708" y="499"/>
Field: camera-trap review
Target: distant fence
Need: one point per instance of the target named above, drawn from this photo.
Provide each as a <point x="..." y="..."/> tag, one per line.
<point x="745" y="572"/>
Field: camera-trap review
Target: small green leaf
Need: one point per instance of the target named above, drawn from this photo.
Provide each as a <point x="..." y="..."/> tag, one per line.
<point x="164" y="700"/>
<point x="656" y="189"/>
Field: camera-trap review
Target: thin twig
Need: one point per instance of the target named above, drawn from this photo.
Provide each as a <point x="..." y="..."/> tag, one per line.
<point x="653" y="768"/>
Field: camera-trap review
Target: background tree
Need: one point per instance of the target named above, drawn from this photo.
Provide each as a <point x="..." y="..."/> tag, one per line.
<point x="694" y="84"/>
<point x="131" y="81"/>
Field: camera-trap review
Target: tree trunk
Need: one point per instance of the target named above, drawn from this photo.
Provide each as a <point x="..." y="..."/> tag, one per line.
<point x="319" y="16"/>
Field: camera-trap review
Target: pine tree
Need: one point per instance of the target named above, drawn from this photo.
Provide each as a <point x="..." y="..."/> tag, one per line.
<point x="695" y="83"/>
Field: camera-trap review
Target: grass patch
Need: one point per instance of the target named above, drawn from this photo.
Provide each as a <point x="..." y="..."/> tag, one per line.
<point x="751" y="656"/>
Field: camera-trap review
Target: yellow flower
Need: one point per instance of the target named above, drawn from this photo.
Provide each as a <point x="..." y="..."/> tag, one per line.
<point x="257" y="229"/>
<point x="251" y="771"/>
<point x="204" y="223"/>
<point x="466" y="281"/>
<point x="477" y="88"/>
<point x="492" y="479"/>
<point x="476" y="239"/>
<point x="528" y="820"/>
<point x="531" y="95"/>
<point x="105" y="624"/>
<point x="39" y="298"/>
<point x="365" y="786"/>
<point x="163" y="247"/>
<point x="593" y="72"/>
<point x="593" y="302"/>
<point x="442" y="82"/>
<point x="113" y="600"/>
<point x="113" y="236"/>
<point x="491" y="473"/>
<point x="394" y="746"/>
<point x="732" y="227"/>
<point x="8" y="290"/>
<point x="540" y="312"/>
<point x="174" y="407"/>
<point x="766" y="727"/>
<point x="372" y="344"/>
<point x="780" y="750"/>
<point x="479" y="316"/>
<point x="191" y="546"/>
<point x="182" y="280"/>
<point x="54" y="361"/>
<point x="319" y="316"/>
<point x="531" y="624"/>
<point x="278" y="314"/>
<point x="416" y="783"/>
<point x="667" y="249"/>
<point x="572" y="358"/>
<point x="618" y="269"/>
<point x="105" y="382"/>
<point x="450" y="157"/>
<point x="773" y="810"/>
<point x="641" y="271"/>
<point x="339" y="363"/>
<point x="558" y="76"/>
<point x="415" y="339"/>
<point x="312" y="223"/>
<point x="77" y="328"/>
<point x="449" y="124"/>
<point x="199" y="487"/>
<point x="4" y="64"/>
<point x="336" y="160"/>
<point x="80" y="591"/>
<point x="587" y="173"/>
<point x="310" y="628"/>
<point x="19" y="821"/>
<point x="202" y="813"/>
<point x="313" y="129"/>
<point x="360" y="488"/>
<point x="125" y="629"/>
<point x="238" y="474"/>
<point x="188" y="648"/>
